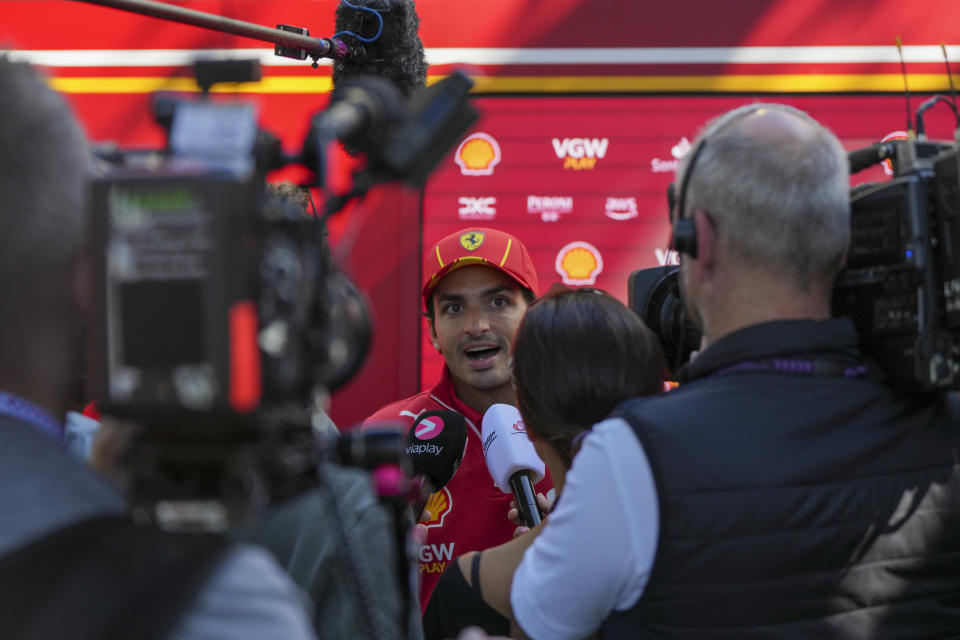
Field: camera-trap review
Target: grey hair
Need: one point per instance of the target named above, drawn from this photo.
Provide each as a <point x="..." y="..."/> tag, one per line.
<point x="780" y="204"/>
<point x="44" y="171"/>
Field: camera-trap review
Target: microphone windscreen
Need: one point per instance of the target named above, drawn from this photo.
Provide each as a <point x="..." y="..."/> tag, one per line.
<point x="506" y="447"/>
<point x="435" y="445"/>
<point x="397" y="54"/>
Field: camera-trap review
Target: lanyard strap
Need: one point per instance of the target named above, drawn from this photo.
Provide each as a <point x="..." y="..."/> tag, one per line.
<point x="802" y="366"/>
<point x="16" y="407"/>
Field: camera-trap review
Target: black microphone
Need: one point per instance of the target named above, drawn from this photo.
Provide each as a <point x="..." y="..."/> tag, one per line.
<point x="511" y="459"/>
<point x="362" y="448"/>
<point x="435" y="446"/>
<point x="397" y="53"/>
<point x="359" y="107"/>
<point x="865" y="158"/>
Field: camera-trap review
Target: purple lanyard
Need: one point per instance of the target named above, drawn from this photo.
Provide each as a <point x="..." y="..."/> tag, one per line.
<point x="17" y="407"/>
<point x="804" y="367"/>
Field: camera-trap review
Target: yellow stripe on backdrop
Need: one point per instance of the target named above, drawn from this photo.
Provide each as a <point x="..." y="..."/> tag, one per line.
<point x="753" y="83"/>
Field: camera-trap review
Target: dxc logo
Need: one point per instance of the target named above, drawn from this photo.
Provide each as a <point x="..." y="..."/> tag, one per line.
<point x="481" y="208"/>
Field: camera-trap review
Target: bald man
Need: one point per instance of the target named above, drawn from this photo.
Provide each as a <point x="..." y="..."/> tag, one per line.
<point x="782" y="490"/>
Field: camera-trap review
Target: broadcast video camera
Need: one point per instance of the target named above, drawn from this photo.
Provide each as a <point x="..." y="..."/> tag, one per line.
<point x="221" y="316"/>
<point x="901" y="282"/>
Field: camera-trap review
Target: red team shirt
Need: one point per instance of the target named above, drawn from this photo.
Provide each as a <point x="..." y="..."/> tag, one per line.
<point x="470" y="513"/>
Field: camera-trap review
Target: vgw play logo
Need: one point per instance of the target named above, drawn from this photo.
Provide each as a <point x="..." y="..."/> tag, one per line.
<point x="580" y="153"/>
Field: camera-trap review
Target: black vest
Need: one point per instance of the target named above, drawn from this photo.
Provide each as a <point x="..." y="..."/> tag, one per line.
<point x="798" y="505"/>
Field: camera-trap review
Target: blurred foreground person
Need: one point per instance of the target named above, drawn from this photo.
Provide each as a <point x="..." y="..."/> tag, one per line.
<point x="72" y="565"/>
<point x="336" y="540"/>
<point x="784" y="490"/>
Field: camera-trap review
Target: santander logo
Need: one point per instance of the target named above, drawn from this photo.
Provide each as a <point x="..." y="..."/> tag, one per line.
<point x="429" y="428"/>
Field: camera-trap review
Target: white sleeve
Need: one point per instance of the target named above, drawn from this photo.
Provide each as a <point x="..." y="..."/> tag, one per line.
<point x="596" y="551"/>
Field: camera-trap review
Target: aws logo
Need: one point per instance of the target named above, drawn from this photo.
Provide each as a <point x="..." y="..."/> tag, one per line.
<point x="478" y="154"/>
<point x="621" y="208"/>
<point x="439" y="505"/>
<point x="580" y="153"/>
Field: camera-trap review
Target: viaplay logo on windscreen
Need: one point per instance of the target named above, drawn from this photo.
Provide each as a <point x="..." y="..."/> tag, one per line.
<point x="429" y="428"/>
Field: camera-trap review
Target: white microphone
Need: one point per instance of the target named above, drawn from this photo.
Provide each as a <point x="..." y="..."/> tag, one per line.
<point x="511" y="459"/>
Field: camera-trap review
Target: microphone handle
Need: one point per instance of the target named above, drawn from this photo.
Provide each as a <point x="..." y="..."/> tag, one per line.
<point x="867" y="157"/>
<point x="522" y="488"/>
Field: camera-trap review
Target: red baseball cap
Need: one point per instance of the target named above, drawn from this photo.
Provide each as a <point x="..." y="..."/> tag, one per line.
<point x="478" y="246"/>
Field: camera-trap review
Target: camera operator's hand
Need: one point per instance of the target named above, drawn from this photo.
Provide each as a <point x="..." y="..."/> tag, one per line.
<point x="513" y="515"/>
<point x="110" y="446"/>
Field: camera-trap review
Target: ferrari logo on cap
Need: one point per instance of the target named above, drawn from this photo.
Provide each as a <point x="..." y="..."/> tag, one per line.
<point x="471" y="240"/>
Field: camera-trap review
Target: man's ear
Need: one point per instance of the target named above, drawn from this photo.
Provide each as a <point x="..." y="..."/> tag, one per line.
<point x="706" y="242"/>
<point x="433" y="335"/>
<point x="843" y="259"/>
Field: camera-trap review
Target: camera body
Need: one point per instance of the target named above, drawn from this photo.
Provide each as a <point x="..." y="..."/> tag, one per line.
<point x="212" y="313"/>
<point x="901" y="282"/>
<point x="209" y="293"/>
<point x="221" y="322"/>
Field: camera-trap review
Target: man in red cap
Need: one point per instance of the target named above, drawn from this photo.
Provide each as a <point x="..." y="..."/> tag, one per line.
<point x="477" y="285"/>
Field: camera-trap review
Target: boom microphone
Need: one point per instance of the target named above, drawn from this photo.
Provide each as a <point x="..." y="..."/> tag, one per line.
<point x="511" y="459"/>
<point x="435" y="446"/>
<point x="386" y="31"/>
<point x="861" y="159"/>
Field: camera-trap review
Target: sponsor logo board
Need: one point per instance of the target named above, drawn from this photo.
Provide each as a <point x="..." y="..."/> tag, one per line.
<point x="478" y="154"/>
<point x="549" y="208"/>
<point x="479" y="208"/>
<point x="580" y="153"/>
<point x="579" y="263"/>
<point x="677" y="151"/>
<point x="621" y="208"/>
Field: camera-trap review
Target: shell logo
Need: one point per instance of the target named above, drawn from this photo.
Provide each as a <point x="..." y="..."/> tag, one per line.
<point x="579" y="263"/>
<point x="477" y="155"/>
<point x="439" y="505"/>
